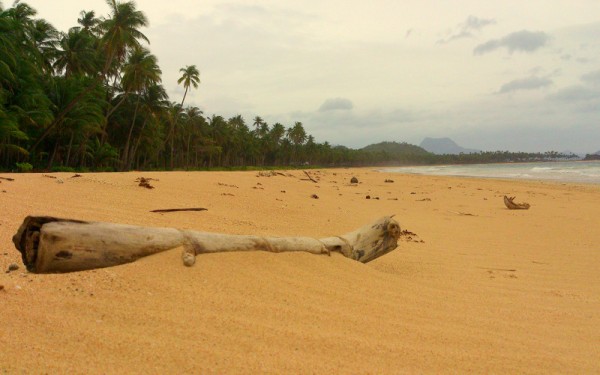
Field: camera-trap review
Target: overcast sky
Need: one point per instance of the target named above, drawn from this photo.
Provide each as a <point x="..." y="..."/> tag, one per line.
<point x="491" y="75"/>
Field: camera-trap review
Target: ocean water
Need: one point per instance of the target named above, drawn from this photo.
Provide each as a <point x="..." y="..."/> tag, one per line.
<point x="571" y="171"/>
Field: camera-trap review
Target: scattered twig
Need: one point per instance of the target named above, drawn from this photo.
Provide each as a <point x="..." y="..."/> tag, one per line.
<point x="222" y="184"/>
<point x="462" y="213"/>
<point x="498" y="269"/>
<point x="75" y="175"/>
<point x="181" y="209"/>
<point x="47" y="175"/>
<point x="7" y="178"/>
<point x="309" y="177"/>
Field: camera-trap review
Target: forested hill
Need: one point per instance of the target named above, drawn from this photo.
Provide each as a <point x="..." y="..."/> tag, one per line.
<point x="395" y="148"/>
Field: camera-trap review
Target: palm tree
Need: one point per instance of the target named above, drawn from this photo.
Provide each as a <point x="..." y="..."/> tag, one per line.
<point x="45" y="38"/>
<point x="140" y="72"/>
<point x="76" y="55"/>
<point x="24" y="107"/>
<point x="258" y="121"/>
<point x="89" y="22"/>
<point x="154" y="102"/>
<point x="297" y="135"/>
<point x="121" y="33"/>
<point x="190" y="77"/>
<point x="192" y="123"/>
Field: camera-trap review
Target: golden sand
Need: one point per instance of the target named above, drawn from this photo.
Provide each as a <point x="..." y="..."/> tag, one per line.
<point x="489" y="290"/>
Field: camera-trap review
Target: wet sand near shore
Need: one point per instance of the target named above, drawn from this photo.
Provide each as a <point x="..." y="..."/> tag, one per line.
<point x="478" y="288"/>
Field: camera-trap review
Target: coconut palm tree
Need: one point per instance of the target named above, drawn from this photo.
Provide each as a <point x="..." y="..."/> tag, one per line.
<point x="190" y="77"/>
<point x="24" y="107"/>
<point x="120" y="34"/>
<point x="140" y="73"/>
<point x="154" y="102"/>
<point x="89" y="22"/>
<point x="77" y="54"/>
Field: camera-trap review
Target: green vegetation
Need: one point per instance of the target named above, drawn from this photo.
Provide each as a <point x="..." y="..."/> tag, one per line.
<point x="91" y="98"/>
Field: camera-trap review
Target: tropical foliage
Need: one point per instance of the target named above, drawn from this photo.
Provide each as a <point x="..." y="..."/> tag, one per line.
<point x="92" y="98"/>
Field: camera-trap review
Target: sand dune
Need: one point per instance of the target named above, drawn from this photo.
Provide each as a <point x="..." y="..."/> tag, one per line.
<point x="479" y="288"/>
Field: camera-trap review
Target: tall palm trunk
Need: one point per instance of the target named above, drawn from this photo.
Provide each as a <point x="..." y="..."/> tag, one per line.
<point x="68" y="159"/>
<point x="125" y="160"/>
<point x="136" y="145"/>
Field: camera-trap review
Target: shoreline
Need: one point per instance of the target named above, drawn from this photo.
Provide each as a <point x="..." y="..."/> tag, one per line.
<point x="487" y="290"/>
<point x="551" y="175"/>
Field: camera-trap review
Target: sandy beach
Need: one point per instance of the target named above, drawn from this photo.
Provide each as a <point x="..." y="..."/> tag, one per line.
<point x="478" y="289"/>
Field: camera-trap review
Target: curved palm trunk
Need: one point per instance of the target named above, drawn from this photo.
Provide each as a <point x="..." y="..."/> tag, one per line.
<point x="135" y="147"/>
<point x="68" y="159"/>
<point x="184" y="95"/>
<point x="125" y="159"/>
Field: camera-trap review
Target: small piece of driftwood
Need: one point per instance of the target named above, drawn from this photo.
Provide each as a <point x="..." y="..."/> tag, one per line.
<point x="50" y="245"/>
<point x="181" y="209"/>
<point x="511" y="205"/>
<point x="7" y="178"/>
<point x="310" y="177"/>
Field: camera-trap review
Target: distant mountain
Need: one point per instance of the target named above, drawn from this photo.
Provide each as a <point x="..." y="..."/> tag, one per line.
<point x="441" y="146"/>
<point x="395" y="148"/>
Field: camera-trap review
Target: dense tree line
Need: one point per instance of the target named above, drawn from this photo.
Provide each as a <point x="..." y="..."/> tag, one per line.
<point x="92" y="98"/>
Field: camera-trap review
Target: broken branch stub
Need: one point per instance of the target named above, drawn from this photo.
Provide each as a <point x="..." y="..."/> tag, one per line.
<point x="50" y="245"/>
<point x="512" y="205"/>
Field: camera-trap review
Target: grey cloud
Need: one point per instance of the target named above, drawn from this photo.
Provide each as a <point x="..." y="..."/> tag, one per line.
<point x="566" y="57"/>
<point x="522" y="41"/>
<point x="333" y="104"/>
<point x="530" y="83"/>
<point x="475" y="23"/>
<point x="465" y="29"/>
<point x="576" y="93"/>
<point x="592" y="78"/>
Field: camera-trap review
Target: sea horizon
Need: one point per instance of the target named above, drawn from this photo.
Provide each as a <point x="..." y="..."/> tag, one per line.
<point x="558" y="171"/>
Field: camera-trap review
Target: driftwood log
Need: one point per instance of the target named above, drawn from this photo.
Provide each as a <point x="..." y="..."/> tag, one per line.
<point x="49" y="244"/>
<point x="512" y="205"/>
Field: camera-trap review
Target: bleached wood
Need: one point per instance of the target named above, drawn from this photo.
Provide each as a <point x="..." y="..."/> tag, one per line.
<point x="51" y="245"/>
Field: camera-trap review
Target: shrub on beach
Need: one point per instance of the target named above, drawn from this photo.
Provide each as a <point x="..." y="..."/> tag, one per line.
<point x="24" y="167"/>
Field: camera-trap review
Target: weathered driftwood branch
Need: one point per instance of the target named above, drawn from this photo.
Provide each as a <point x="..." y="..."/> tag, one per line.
<point x="49" y="244"/>
<point x="511" y="205"/>
<point x="180" y="209"/>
